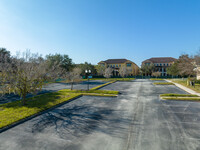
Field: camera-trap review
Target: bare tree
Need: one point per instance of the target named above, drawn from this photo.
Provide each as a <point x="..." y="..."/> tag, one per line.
<point x="123" y="71"/>
<point x="156" y="74"/>
<point x="186" y="65"/>
<point x="24" y="74"/>
<point x="108" y="72"/>
<point x="100" y="69"/>
<point x="73" y="76"/>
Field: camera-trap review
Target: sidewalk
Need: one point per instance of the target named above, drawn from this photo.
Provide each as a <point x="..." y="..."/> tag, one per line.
<point x="184" y="88"/>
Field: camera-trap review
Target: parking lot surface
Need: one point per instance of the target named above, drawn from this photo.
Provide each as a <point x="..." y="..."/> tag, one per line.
<point x="135" y="120"/>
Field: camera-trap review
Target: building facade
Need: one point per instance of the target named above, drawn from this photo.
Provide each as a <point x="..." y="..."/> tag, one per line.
<point x="116" y="64"/>
<point x="160" y="64"/>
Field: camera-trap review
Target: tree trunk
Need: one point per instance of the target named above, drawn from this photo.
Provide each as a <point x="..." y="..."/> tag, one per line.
<point x="72" y="85"/>
<point x="24" y="99"/>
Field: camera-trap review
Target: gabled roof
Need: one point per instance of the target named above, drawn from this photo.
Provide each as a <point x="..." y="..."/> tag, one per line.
<point x="160" y="60"/>
<point x="115" y="61"/>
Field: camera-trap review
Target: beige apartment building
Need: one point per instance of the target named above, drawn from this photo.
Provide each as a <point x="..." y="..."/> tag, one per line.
<point x="116" y="64"/>
<point x="160" y="63"/>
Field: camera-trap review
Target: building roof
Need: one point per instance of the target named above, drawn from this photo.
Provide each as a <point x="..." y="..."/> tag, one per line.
<point x="160" y="60"/>
<point x="115" y="61"/>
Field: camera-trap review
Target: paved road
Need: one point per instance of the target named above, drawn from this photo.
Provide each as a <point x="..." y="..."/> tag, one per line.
<point x="135" y="120"/>
<point x="53" y="87"/>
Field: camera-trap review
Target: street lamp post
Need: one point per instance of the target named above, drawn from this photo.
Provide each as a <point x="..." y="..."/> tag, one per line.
<point x="87" y="72"/>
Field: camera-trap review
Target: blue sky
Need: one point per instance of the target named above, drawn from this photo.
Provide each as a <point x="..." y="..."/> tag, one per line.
<point x="95" y="30"/>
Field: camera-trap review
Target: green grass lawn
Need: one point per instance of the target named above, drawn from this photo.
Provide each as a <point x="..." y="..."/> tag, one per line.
<point x="111" y="79"/>
<point x="182" y="98"/>
<point x="178" y="95"/>
<point x="14" y="111"/>
<point x="163" y="83"/>
<point x="184" y="83"/>
<point x="173" y="96"/>
<point x="100" y="86"/>
<point x="91" y="91"/>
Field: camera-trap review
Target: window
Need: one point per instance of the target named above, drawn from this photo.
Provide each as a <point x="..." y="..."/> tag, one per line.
<point x="108" y="65"/>
<point x="128" y="65"/>
<point x="163" y="64"/>
<point x="119" y="65"/>
<point x="167" y="64"/>
<point x="113" y="65"/>
<point x="157" y="65"/>
<point x="116" y="65"/>
<point x="160" y="64"/>
<point x="147" y="64"/>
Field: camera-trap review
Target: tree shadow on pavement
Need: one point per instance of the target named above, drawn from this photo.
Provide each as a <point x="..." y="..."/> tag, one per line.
<point x="81" y="120"/>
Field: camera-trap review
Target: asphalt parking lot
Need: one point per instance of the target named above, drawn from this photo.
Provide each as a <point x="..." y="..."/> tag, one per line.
<point x="136" y="120"/>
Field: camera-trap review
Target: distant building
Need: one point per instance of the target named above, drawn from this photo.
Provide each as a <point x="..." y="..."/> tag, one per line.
<point x="160" y="63"/>
<point x="116" y="64"/>
<point x="197" y="70"/>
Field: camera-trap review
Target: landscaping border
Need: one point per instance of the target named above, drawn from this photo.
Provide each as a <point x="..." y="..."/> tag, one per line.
<point x="100" y="86"/>
<point x="163" y="83"/>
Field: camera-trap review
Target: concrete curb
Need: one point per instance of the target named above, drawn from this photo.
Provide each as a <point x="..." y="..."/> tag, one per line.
<point x="184" y="88"/>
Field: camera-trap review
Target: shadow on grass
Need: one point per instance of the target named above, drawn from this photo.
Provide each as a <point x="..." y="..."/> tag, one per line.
<point x="39" y="101"/>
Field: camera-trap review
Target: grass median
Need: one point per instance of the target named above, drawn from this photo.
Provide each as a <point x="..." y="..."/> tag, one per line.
<point x="13" y="112"/>
<point x="111" y="79"/>
<point x="100" y="86"/>
<point x="178" y="95"/>
<point x="156" y="79"/>
<point x="183" y="97"/>
<point x="163" y="83"/>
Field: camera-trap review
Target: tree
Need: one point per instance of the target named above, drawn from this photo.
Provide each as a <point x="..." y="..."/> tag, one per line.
<point x="24" y="74"/>
<point x="197" y="58"/>
<point x="147" y="69"/>
<point x="156" y="74"/>
<point x="86" y="66"/>
<point x="100" y="69"/>
<point x="173" y="69"/>
<point x="63" y="61"/>
<point x="123" y="71"/>
<point x="73" y="76"/>
<point x="4" y="55"/>
<point x="108" y="72"/>
<point x="186" y="65"/>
